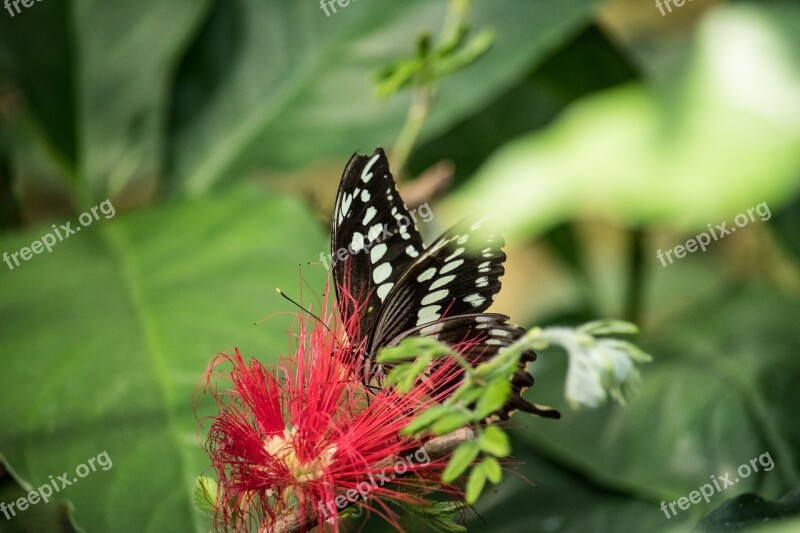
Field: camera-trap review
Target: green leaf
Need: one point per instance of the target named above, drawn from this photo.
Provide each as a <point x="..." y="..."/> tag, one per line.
<point x="412" y="347"/>
<point x="590" y="62"/>
<point x="97" y="77"/>
<point x="494" y="396"/>
<point x="117" y="327"/>
<point x="662" y="139"/>
<point x="451" y="422"/>
<point x="477" y="47"/>
<point x="494" y="440"/>
<point x="475" y="483"/>
<point x="609" y="327"/>
<point x="506" y="365"/>
<point x="471" y="395"/>
<point x="397" y="374"/>
<point x="435" y="515"/>
<point x="516" y="505"/>
<point x="748" y="510"/>
<point x="722" y="391"/>
<point x="204" y="495"/>
<point x="288" y="73"/>
<point x="426" y="419"/>
<point x="414" y="371"/>
<point x="502" y="365"/>
<point x="449" y="507"/>
<point x="395" y="354"/>
<point x="466" y="452"/>
<point x="398" y="77"/>
<point x="493" y="471"/>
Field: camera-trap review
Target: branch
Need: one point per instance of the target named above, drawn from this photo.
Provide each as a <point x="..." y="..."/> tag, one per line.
<point x="436" y="448"/>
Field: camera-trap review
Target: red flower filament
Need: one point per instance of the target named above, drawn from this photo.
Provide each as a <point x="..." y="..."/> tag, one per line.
<point x="307" y="436"/>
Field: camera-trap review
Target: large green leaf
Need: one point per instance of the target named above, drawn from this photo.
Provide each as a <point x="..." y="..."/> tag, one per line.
<point x="750" y="510"/>
<point x="275" y="83"/>
<point x="584" y="65"/>
<point x="721" y="392"/>
<point x="97" y="75"/>
<point x="35" y="53"/>
<point x="539" y="495"/>
<point x="106" y="339"/>
<point x="722" y="137"/>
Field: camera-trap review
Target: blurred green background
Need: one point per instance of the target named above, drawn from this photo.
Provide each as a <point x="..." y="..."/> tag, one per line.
<point x="600" y="132"/>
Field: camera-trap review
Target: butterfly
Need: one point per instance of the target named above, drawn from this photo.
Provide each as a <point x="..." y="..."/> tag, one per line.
<point x="400" y="288"/>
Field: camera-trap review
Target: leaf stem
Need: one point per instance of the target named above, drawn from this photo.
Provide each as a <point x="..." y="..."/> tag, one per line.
<point x="415" y="120"/>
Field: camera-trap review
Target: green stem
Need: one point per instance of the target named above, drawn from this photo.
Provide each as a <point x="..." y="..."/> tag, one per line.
<point x="417" y="114"/>
<point x="422" y="96"/>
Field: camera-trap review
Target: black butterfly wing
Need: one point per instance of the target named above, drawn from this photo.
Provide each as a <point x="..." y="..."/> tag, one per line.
<point x="384" y="275"/>
<point x="479" y="337"/>
<point x="458" y="274"/>
<point x="374" y="238"/>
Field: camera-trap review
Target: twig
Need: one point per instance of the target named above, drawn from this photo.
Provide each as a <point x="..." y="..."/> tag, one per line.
<point x="436" y="448"/>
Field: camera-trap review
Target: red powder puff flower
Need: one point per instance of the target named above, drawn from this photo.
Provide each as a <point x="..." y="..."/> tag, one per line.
<point x="308" y="437"/>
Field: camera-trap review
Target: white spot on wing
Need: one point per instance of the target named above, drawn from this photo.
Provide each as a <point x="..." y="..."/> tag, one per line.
<point x="404" y="232"/>
<point x="475" y="299"/>
<point x="451" y="266"/>
<point x="479" y="223"/>
<point x="428" y="314"/>
<point x="455" y="254"/>
<point x="428" y="274"/>
<point x="374" y="232"/>
<point x="411" y="251"/>
<point x="377" y="252"/>
<point x="369" y="215"/>
<point x="434" y="297"/>
<point x="382" y="272"/>
<point x="383" y="290"/>
<point x="367" y="175"/>
<point x="365" y="195"/>
<point x="482" y="281"/>
<point x="441" y="282"/>
<point x="357" y="244"/>
<point x="346" y="201"/>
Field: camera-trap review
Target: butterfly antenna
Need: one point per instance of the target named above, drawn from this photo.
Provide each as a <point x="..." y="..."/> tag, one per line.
<point x="318" y="319"/>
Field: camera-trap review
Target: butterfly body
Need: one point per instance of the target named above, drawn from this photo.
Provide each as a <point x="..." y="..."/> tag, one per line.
<point x="396" y="287"/>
